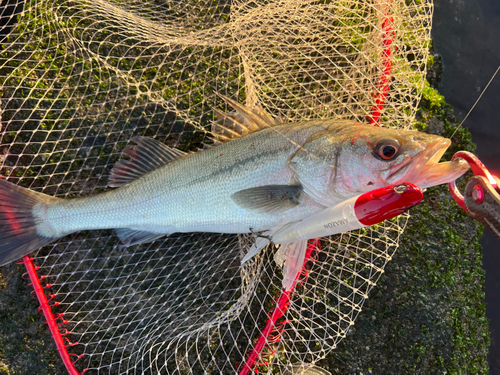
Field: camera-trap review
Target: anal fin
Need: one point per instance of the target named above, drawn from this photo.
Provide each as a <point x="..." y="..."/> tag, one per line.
<point x="131" y="237"/>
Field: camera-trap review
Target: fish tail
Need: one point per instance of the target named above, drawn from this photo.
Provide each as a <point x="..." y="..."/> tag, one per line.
<point x="19" y="224"/>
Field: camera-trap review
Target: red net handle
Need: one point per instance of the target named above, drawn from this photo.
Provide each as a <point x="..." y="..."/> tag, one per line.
<point x="278" y="311"/>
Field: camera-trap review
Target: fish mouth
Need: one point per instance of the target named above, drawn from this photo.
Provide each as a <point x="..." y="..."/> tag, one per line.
<point x="424" y="169"/>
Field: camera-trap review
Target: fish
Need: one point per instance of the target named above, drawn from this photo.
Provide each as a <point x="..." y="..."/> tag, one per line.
<point x="259" y="174"/>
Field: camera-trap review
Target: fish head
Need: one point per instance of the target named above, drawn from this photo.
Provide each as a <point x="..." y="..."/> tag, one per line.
<point x="350" y="160"/>
<point x="376" y="157"/>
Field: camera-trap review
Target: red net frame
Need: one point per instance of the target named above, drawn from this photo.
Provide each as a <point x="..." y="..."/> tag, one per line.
<point x="284" y="299"/>
<point x="271" y="332"/>
<point x="45" y="308"/>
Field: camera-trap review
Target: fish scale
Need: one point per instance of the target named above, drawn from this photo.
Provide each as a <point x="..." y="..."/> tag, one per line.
<point x="169" y="199"/>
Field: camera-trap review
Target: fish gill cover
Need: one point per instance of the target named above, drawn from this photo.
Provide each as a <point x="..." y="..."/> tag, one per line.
<point x="81" y="78"/>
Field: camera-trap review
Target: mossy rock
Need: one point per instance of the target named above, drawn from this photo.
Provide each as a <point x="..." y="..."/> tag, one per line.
<point x="427" y="314"/>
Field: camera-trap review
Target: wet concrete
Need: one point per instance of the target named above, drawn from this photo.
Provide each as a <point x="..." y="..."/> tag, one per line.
<point x="466" y="34"/>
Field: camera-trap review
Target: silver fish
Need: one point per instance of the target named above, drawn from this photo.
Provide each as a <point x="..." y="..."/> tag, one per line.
<point x="258" y="175"/>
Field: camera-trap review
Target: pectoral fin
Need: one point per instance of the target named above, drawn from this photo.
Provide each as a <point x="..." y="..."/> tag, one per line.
<point x="270" y="198"/>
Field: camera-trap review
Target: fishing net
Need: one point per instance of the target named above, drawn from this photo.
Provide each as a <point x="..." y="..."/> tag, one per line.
<point x="80" y="78"/>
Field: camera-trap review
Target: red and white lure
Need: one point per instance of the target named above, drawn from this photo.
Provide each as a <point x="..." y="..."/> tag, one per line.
<point x="355" y="213"/>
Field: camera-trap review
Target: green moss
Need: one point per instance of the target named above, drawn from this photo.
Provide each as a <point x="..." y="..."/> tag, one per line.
<point x="420" y="126"/>
<point x="430" y="60"/>
<point x="433" y="97"/>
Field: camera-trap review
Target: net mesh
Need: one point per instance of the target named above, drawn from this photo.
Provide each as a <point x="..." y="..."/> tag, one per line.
<point x="80" y="78"/>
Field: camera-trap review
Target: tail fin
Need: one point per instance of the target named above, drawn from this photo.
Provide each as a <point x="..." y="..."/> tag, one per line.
<point x="18" y="232"/>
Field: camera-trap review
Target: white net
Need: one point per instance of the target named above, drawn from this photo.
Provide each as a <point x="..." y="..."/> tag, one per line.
<point x="80" y="78"/>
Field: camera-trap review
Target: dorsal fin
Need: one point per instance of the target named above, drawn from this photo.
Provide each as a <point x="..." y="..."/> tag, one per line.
<point x="241" y="122"/>
<point x="146" y="156"/>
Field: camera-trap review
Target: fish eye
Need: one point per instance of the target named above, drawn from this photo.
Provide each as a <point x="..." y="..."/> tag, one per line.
<point x="387" y="149"/>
